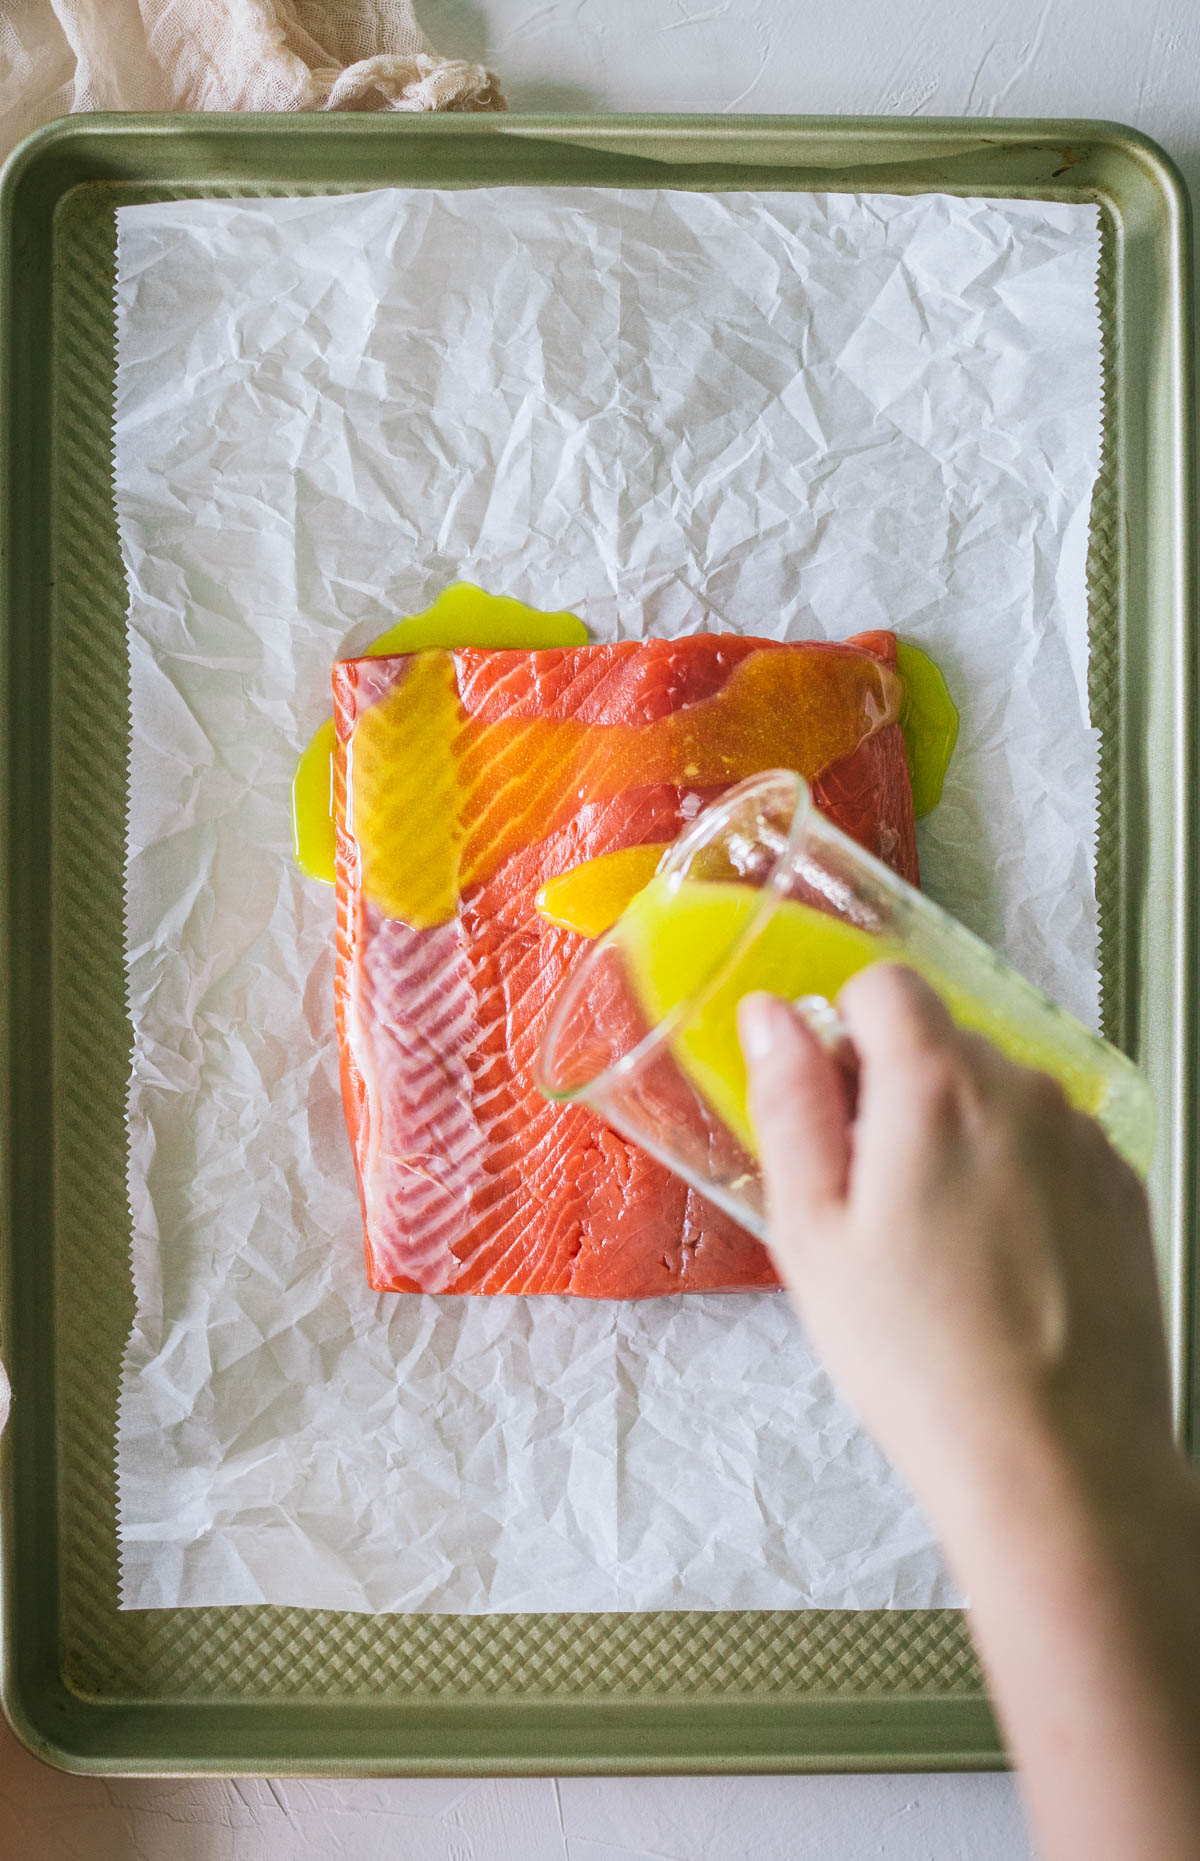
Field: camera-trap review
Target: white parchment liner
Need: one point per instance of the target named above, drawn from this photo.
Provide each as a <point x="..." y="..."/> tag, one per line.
<point x="784" y="414"/>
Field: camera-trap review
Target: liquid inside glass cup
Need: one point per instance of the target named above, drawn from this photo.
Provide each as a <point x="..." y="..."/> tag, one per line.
<point x="762" y="892"/>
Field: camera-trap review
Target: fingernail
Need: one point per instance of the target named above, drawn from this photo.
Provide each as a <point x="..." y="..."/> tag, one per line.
<point x="757" y="1025"/>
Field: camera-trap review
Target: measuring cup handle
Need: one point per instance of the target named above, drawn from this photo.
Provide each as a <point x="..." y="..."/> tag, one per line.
<point x="819" y="1014"/>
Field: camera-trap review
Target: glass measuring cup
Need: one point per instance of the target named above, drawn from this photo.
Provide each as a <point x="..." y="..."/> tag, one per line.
<point x="762" y="892"/>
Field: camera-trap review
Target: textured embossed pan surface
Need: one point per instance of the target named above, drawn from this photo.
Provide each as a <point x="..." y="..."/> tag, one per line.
<point x="278" y="1689"/>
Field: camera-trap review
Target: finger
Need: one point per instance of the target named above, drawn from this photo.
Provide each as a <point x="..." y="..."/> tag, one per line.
<point x="799" y="1107"/>
<point x="911" y="1076"/>
<point x="895" y="1019"/>
<point x="893" y="1015"/>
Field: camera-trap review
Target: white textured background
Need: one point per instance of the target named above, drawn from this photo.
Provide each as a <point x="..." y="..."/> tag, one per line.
<point x="1137" y="61"/>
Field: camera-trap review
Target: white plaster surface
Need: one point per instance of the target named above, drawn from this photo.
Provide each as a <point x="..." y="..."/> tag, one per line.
<point x="1135" y="61"/>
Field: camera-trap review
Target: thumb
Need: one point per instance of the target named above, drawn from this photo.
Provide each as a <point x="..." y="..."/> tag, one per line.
<point x="800" y="1111"/>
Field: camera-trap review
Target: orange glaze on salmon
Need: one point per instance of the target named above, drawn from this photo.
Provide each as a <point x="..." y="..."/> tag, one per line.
<point x="470" y="1180"/>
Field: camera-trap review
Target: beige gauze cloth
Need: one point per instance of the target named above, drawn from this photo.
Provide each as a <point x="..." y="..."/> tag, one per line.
<point x="58" y="56"/>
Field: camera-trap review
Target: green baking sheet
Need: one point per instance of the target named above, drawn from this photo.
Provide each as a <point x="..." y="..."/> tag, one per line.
<point x="276" y="1690"/>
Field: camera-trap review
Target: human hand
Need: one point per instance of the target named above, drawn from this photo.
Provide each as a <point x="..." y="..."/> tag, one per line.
<point x="973" y="1261"/>
<point x="970" y="1256"/>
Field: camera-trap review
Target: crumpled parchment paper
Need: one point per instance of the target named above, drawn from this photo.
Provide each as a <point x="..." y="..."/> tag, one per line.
<point x="780" y="413"/>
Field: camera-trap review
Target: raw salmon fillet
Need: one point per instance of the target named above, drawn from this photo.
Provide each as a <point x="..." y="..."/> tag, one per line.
<point x="471" y="1182"/>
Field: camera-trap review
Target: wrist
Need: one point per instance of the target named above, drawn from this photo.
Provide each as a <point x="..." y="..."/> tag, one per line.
<point x="1038" y="1501"/>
